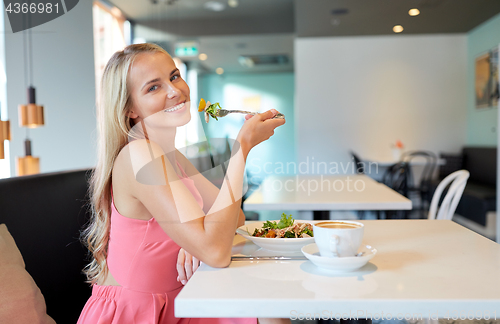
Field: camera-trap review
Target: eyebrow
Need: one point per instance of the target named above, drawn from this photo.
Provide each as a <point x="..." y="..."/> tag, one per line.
<point x="152" y="81"/>
<point x="158" y="79"/>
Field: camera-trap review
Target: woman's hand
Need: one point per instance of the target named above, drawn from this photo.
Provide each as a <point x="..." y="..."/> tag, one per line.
<point x="257" y="129"/>
<point x="186" y="266"/>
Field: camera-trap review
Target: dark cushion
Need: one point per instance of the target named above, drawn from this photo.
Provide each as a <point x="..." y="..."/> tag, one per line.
<point x="480" y="191"/>
<point x="44" y="214"/>
<point x="481" y="162"/>
<point x="475" y="209"/>
<point x="476" y="201"/>
<point x="452" y="163"/>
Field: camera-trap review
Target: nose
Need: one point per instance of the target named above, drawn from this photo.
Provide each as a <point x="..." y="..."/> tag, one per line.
<point x="172" y="91"/>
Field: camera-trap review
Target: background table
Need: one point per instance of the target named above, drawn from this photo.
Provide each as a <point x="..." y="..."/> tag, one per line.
<point x="322" y="193"/>
<point x="426" y="267"/>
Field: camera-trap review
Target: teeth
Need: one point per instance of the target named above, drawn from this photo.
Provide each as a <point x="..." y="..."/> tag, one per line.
<point x="174" y="108"/>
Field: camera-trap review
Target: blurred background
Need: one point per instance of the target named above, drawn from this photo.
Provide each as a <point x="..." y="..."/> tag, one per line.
<point x="350" y="75"/>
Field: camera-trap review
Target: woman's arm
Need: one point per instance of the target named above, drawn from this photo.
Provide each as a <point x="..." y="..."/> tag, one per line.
<point x="207" y="236"/>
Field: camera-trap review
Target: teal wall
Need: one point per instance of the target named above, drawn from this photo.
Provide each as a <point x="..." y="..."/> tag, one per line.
<point x="481" y="123"/>
<point x="276" y="90"/>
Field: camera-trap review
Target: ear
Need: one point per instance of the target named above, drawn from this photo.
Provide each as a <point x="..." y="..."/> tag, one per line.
<point x="131" y="114"/>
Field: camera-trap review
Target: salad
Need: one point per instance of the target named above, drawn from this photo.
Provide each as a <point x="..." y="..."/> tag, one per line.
<point x="209" y="109"/>
<point x="285" y="228"/>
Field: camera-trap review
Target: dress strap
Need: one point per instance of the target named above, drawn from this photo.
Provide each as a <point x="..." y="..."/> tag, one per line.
<point x="182" y="170"/>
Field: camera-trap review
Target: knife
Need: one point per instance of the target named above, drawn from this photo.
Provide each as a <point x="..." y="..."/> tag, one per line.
<point x="251" y="258"/>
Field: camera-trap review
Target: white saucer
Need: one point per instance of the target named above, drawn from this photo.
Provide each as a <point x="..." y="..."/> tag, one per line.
<point x="345" y="264"/>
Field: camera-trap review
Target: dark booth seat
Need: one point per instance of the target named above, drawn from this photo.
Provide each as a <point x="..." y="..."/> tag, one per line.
<point x="479" y="196"/>
<point x="45" y="213"/>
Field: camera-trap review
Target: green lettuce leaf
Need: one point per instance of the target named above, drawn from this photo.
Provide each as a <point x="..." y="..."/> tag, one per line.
<point x="285" y="221"/>
<point x="269" y="224"/>
<point x="212" y="110"/>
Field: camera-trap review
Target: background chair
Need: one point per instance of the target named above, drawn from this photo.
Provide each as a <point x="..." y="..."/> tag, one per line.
<point x="458" y="180"/>
<point x="359" y="165"/>
<point x="360" y="169"/>
<point x="397" y="178"/>
<point x="423" y="188"/>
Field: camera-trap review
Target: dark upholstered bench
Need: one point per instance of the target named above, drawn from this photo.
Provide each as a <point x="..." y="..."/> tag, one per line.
<point x="45" y="213"/>
<point x="479" y="196"/>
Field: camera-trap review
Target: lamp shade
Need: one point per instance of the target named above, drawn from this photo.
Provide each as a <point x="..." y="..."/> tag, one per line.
<point x="5" y="130"/>
<point x="4" y="136"/>
<point x="27" y="165"/>
<point x="31" y="115"/>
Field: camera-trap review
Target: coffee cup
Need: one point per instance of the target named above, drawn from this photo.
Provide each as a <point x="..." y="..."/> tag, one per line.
<point x="338" y="238"/>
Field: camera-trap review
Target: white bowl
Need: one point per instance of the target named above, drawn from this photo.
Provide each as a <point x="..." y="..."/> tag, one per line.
<point x="274" y="244"/>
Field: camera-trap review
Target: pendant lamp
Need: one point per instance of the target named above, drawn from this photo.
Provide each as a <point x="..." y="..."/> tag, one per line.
<point x="27" y="164"/>
<point x="30" y="116"/>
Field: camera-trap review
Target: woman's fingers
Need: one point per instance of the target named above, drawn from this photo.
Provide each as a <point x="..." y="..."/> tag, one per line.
<point x="181" y="259"/>
<point x="188" y="265"/>
<point x="268" y="114"/>
<point x="196" y="264"/>
<point x="259" y="128"/>
<point x="269" y="121"/>
<point x="275" y="122"/>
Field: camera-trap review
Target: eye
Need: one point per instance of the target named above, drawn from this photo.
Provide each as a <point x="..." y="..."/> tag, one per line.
<point x="153" y="88"/>
<point x="175" y="76"/>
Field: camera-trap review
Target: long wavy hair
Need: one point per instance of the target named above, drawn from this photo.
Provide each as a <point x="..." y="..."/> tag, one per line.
<point x="113" y="126"/>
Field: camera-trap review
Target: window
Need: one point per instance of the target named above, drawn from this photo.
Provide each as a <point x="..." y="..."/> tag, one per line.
<point x="4" y="163"/>
<point x="111" y="34"/>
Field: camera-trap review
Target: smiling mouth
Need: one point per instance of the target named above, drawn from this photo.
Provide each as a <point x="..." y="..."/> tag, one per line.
<point x="174" y="108"/>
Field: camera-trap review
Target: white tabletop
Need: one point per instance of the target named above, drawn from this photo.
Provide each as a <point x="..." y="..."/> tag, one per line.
<point x="370" y="163"/>
<point x="324" y="192"/>
<point x="422" y="267"/>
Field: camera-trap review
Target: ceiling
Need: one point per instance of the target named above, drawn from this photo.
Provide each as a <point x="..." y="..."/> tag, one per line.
<point x="142" y="10"/>
<point x="269" y="26"/>
<point x="378" y="17"/>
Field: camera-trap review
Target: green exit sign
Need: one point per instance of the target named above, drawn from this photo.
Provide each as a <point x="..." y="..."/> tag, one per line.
<point x="186" y="49"/>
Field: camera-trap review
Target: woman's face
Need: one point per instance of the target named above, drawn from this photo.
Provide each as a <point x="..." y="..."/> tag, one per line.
<point x="159" y="95"/>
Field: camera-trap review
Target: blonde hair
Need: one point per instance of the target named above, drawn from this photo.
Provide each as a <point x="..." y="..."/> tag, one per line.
<point x="113" y="126"/>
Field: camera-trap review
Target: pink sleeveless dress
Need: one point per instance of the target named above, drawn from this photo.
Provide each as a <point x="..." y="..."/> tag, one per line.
<point x="142" y="258"/>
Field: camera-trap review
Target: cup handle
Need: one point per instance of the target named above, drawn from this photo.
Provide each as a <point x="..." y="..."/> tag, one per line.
<point x="334" y="241"/>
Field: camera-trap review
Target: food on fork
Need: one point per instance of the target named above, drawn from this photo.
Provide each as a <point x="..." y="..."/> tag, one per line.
<point x="215" y="110"/>
<point x="285" y="228"/>
<point x="209" y="109"/>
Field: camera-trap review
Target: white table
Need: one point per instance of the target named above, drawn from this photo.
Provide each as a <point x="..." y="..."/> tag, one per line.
<point x="435" y="268"/>
<point x="385" y="162"/>
<point x="324" y="193"/>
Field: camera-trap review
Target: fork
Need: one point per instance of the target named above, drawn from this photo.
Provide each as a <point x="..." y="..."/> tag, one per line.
<point x="225" y="112"/>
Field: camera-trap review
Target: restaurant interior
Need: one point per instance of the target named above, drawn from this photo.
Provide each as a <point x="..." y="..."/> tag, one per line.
<point x="397" y="94"/>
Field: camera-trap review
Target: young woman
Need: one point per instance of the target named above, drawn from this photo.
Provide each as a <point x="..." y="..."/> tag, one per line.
<point x="154" y="214"/>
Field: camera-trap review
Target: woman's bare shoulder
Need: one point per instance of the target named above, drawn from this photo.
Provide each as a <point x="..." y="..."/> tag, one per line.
<point x="145" y="162"/>
<point x="125" y="187"/>
<point x="122" y="160"/>
<point x="137" y="154"/>
<point x="121" y="166"/>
